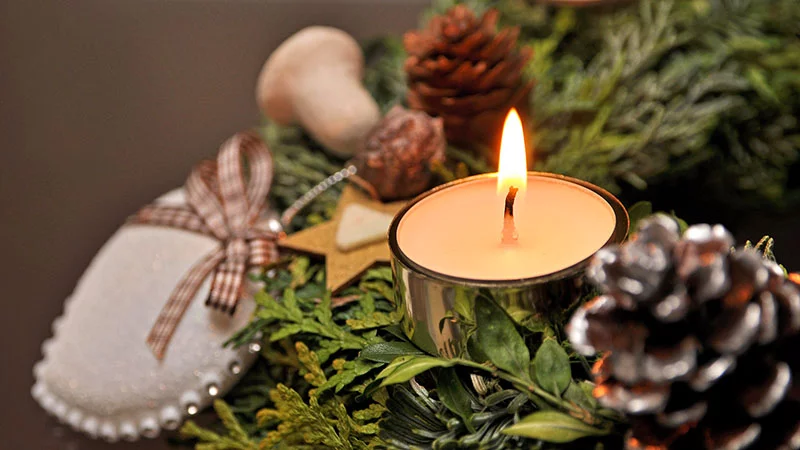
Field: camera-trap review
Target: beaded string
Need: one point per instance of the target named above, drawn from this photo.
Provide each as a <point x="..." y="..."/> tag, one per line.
<point x="308" y="197"/>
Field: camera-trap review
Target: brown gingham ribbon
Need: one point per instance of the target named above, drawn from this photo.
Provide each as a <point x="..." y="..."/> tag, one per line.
<point x="225" y="205"/>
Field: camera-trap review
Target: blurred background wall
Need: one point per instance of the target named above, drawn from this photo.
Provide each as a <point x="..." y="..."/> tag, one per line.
<point x="104" y="105"/>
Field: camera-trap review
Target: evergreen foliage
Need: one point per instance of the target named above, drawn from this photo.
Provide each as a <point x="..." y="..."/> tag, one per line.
<point x="626" y="97"/>
<point x="327" y="364"/>
<point x="705" y="92"/>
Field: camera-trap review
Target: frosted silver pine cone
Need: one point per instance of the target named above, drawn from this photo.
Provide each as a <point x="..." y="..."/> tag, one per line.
<point x="699" y="342"/>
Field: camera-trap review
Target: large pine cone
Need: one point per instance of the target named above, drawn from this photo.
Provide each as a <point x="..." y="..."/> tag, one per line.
<point x="462" y="69"/>
<point x="701" y="342"/>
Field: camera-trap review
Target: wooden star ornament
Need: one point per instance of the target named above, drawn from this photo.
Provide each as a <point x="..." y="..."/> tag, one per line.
<point x="343" y="266"/>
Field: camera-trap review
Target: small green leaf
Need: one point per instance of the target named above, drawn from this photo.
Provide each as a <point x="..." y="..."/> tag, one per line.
<point x="396" y="330"/>
<point x="581" y="395"/>
<point x="637" y="212"/>
<point x="498" y="338"/>
<point x="386" y="352"/>
<point x="475" y="351"/>
<point x="399" y="361"/>
<point x="682" y="225"/>
<point x="519" y="314"/>
<point x="588" y="388"/>
<point x="454" y="396"/>
<point x="411" y="368"/>
<point x="551" y="367"/>
<point x="552" y="426"/>
<point x="372" y="388"/>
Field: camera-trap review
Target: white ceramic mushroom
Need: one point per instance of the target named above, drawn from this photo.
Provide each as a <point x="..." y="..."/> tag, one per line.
<point x="314" y="78"/>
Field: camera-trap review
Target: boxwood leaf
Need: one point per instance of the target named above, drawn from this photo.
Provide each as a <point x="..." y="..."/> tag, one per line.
<point x="475" y="350"/>
<point x="552" y="426"/>
<point x="454" y="396"/>
<point x="410" y="368"/>
<point x="397" y="362"/>
<point x="498" y="338"/>
<point x="386" y="352"/>
<point x="581" y="396"/>
<point x="551" y="367"/>
<point x="637" y="212"/>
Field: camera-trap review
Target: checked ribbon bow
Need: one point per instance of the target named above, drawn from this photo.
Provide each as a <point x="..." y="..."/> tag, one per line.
<point x="222" y="204"/>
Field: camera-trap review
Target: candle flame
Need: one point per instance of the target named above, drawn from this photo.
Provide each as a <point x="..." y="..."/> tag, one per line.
<point x="513" y="168"/>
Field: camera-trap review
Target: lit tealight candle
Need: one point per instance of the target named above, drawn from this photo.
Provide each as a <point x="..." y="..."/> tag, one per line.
<point x="558" y="221"/>
<point x="518" y="235"/>
<point x="512" y="176"/>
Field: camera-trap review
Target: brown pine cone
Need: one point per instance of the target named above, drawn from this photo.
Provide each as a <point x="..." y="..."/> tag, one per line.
<point x="463" y="70"/>
<point x="398" y="153"/>
<point x="700" y="341"/>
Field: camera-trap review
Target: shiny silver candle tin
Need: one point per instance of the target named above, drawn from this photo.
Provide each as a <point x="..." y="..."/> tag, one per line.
<point x="428" y="298"/>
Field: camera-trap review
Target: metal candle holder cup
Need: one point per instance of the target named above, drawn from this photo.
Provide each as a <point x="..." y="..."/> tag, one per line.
<point x="429" y="299"/>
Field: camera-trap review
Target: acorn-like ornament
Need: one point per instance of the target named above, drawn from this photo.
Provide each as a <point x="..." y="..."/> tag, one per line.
<point x="397" y="155"/>
<point x="700" y="343"/>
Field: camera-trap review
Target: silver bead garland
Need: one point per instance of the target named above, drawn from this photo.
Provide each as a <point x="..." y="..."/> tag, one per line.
<point x="308" y="197"/>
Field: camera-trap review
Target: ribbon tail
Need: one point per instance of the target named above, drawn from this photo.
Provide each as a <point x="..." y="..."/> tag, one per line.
<point x="172" y="313"/>
<point x="226" y="288"/>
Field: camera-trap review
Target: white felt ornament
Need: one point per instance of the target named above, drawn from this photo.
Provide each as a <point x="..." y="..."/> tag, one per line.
<point x="98" y="374"/>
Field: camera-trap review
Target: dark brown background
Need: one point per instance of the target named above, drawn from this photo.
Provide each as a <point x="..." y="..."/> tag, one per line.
<point x="105" y="104"/>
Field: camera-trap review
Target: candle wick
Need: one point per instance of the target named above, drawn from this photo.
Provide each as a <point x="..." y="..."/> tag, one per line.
<point x="509" y="228"/>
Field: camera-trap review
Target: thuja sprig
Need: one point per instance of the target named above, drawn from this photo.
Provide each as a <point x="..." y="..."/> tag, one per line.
<point x="235" y="439"/>
<point x="313" y="404"/>
<point x="321" y="422"/>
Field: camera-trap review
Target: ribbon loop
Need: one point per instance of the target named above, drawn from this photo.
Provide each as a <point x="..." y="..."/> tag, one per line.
<point x="232" y="188"/>
<point x="224" y="204"/>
